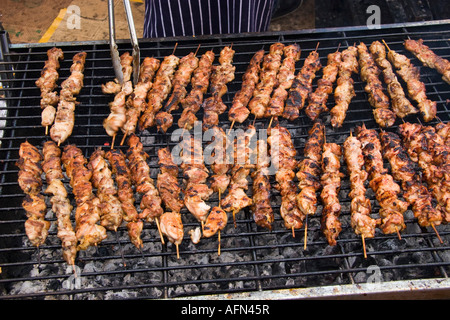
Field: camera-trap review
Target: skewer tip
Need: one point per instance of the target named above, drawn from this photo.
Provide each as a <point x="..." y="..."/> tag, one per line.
<point x="364" y="246"/>
<point x="218" y="248"/>
<point x="305" y="240"/>
<point x="398" y="234"/>
<point x="386" y="45"/>
<point x="317" y="46"/>
<point x="175" y="48"/>
<point x="123" y="139"/>
<point x="437" y="233"/>
<point x="113" y="140"/>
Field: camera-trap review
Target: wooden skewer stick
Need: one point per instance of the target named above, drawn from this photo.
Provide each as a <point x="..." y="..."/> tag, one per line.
<point x="437" y="233"/>
<point x="231" y="127"/>
<point x="339" y="45"/>
<point x="74" y="270"/>
<point x="218" y="248"/>
<point x="123" y="139"/>
<point x="197" y="49"/>
<point x="386" y="45"/>
<point x="234" y="218"/>
<point x="293" y="232"/>
<point x="270" y="123"/>
<point x="59" y="143"/>
<point x="178" y="251"/>
<point x="46" y="130"/>
<point x="120" y="249"/>
<point x="159" y="230"/>
<point x="174" y="48"/>
<point x="398" y="233"/>
<point x="364" y="246"/>
<point x="113" y="140"/>
<point x="317" y="46"/>
<point x="184" y="129"/>
<point x="305" y="239"/>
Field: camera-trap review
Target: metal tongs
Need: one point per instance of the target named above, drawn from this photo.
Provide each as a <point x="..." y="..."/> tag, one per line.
<point x="113" y="45"/>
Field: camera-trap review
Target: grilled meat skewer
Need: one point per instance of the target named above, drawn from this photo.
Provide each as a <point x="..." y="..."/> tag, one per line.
<point x="344" y="91"/>
<point x="162" y="85"/>
<point x="317" y="100"/>
<point x="196" y="191"/>
<point x="416" y="192"/>
<point x="65" y="114"/>
<point x="239" y="111"/>
<point x="432" y="157"/>
<point x="361" y="221"/>
<point x="140" y="176"/>
<point x="186" y="67"/>
<point x="122" y="173"/>
<point x="87" y="214"/>
<point x="221" y="75"/>
<point x="416" y="88"/>
<point x="60" y="203"/>
<point x="110" y="206"/>
<point x="382" y="183"/>
<point x="285" y="78"/>
<point x="29" y="179"/>
<point x="261" y="207"/>
<point x="117" y="117"/>
<point x="302" y="86"/>
<point x="237" y="199"/>
<point x="309" y="171"/>
<point x="429" y="58"/>
<point x="377" y="98"/>
<point x="400" y="104"/>
<point x="47" y="83"/>
<point x="136" y="102"/>
<point x="283" y="156"/>
<point x="199" y="86"/>
<point x="267" y="80"/>
<point x="331" y="184"/>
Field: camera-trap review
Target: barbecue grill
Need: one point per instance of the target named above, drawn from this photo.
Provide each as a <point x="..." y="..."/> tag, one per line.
<point x="254" y="262"/>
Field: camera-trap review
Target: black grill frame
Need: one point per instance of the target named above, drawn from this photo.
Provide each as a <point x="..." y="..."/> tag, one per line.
<point x="319" y="265"/>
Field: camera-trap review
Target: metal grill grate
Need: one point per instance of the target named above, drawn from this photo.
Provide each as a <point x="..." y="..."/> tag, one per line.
<point x="252" y="259"/>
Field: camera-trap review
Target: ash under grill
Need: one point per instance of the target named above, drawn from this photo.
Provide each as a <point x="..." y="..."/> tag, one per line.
<point x="252" y="259"/>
